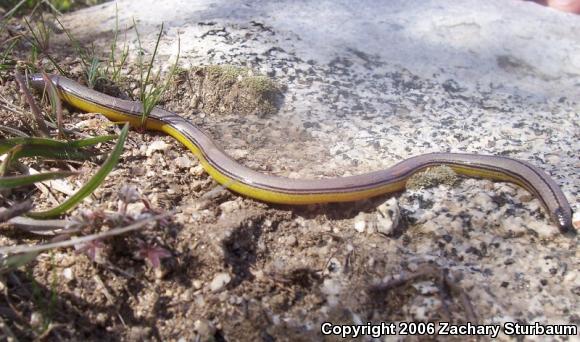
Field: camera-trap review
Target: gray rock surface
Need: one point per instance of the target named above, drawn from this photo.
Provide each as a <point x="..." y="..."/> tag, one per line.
<point x="373" y="82"/>
<point x="370" y="83"/>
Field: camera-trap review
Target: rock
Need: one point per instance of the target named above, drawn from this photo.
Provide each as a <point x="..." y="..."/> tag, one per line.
<point x="135" y="209"/>
<point x="139" y="333"/>
<point x="576" y="220"/>
<point x="219" y="282"/>
<point x="229" y="206"/>
<point x="291" y="241"/>
<point x="157" y="145"/>
<point x="197" y="284"/>
<point x="183" y="162"/>
<point x="197" y="170"/>
<point x="138" y="171"/>
<point x="360" y="222"/>
<point x="36" y="319"/>
<point x="388" y="217"/>
<point x="68" y="274"/>
<point x="204" y="328"/>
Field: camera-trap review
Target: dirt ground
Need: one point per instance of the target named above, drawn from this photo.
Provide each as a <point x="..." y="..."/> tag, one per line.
<point x="238" y="269"/>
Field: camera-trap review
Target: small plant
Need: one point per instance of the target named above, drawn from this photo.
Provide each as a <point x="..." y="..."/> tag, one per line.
<point x="6" y="60"/>
<point x="40" y="33"/>
<point x="152" y="253"/>
<point x="55" y="104"/>
<point x="151" y="90"/>
<point x="39" y="38"/>
<point x="91" y="185"/>
<point x="20" y="147"/>
<point x="92" y="249"/>
<point x="127" y="194"/>
<point x="93" y="69"/>
<point x="90" y="61"/>
<point x="114" y="64"/>
<point x="23" y="5"/>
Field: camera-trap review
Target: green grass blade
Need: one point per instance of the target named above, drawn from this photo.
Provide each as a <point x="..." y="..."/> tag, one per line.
<point x="6" y="61"/>
<point x="60" y="153"/>
<point x="13" y="131"/>
<point x="5" y="165"/>
<point x="91" y="185"/>
<point x="91" y="141"/>
<point x="13" y="10"/>
<point x="153" y="56"/>
<point x="12" y="262"/>
<point x="7" y="144"/>
<point x="55" y="104"/>
<point x="16" y="181"/>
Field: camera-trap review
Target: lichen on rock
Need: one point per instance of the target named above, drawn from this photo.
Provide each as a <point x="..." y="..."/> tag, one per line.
<point x="431" y="177"/>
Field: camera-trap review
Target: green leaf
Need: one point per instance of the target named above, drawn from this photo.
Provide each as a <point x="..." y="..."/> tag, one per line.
<point x="50" y="148"/>
<point x="12" y="262"/>
<point x="91" y="185"/>
<point x="6" y="144"/>
<point x="92" y="141"/>
<point x="5" y="165"/>
<point x="15" y="181"/>
<point x="13" y="131"/>
<point x="65" y="153"/>
<point x="55" y="104"/>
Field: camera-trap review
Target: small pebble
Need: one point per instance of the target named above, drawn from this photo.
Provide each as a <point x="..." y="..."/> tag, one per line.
<point x="229" y="206"/>
<point x="138" y="171"/>
<point x="101" y="318"/>
<point x="183" y="162"/>
<point x="204" y="328"/>
<point x="68" y="273"/>
<point x="36" y="319"/>
<point x="135" y="209"/>
<point x="360" y="222"/>
<point x="291" y="241"/>
<point x="389" y="216"/>
<point x="219" y="282"/>
<point x="157" y="145"/>
<point x="197" y="170"/>
<point x="413" y="267"/>
<point x="576" y="220"/>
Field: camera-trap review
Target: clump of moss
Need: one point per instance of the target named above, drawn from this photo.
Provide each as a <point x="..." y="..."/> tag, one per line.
<point x="226" y="73"/>
<point x="259" y="83"/>
<point x="231" y="89"/>
<point x="431" y="177"/>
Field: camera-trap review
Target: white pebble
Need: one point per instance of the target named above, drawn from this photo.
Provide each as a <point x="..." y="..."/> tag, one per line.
<point x="360" y="222"/>
<point x="36" y="319"/>
<point x="197" y="170"/>
<point x="229" y="206"/>
<point x="197" y="284"/>
<point x="67" y="273"/>
<point x="219" y="282"/>
<point x="205" y="329"/>
<point x="576" y="220"/>
<point x="183" y="162"/>
<point x="291" y="240"/>
<point x="157" y="145"/>
<point x="135" y="209"/>
<point x="388" y="217"/>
